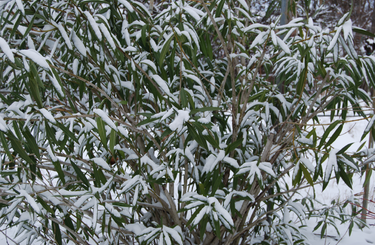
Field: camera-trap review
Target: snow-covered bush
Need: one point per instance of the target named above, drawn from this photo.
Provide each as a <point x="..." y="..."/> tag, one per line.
<point x="178" y="122"/>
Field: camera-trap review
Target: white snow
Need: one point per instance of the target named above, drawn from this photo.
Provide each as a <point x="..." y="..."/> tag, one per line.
<point x="94" y="25"/>
<point x="100" y="161"/>
<point x="127" y="5"/>
<point x="35" y="56"/>
<point x="47" y="115"/>
<point x="181" y="118"/>
<point x="334" y="39"/>
<point x="30" y="200"/>
<point x="79" y="44"/>
<point x="105" y="118"/>
<point x="107" y="36"/>
<point x="6" y="49"/>
<point x="56" y="84"/>
<point x="3" y="125"/>
<point x="65" y="36"/>
<point x="20" y="6"/>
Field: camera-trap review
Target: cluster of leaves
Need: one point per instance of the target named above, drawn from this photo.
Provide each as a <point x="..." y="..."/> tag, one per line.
<point x="179" y="122"/>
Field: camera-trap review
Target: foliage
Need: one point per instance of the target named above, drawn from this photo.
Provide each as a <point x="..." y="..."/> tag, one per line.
<point x="179" y="123"/>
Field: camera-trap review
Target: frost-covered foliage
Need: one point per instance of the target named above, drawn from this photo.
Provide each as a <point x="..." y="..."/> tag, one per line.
<point x="170" y="122"/>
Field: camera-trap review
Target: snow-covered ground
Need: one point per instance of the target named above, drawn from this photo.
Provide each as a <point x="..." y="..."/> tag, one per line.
<point x="352" y="132"/>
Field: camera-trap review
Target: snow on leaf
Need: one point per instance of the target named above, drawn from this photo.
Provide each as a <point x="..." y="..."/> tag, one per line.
<point x="334" y="39"/>
<point x="348" y="31"/>
<point x="6" y="49"/>
<point x="267" y="167"/>
<point x="259" y="39"/>
<point x="20" y="6"/>
<point x="47" y="115"/>
<point x="283" y="45"/>
<point x="192" y="12"/>
<point x="231" y="161"/>
<point x="65" y="36"/>
<point x="30" y="200"/>
<point x="150" y="64"/>
<point x="79" y="44"/>
<point x="100" y="161"/>
<point x="35" y="56"/>
<point x="331" y="163"/>
<point x="81" y="200"/>
<point x="93" y="24"/>
<point x="251" y="167"/>
<point x="274" y="37"/>
<point x="127" y="5"/>
<point x="175" y="233"/>
<point x="307" y="164"/>
<point x="244" y="4"/>
<point x="3" y="125"/>
<point x="253" y="26"/>
<point x="105" y="118"/>
<point x="107" y="36"/>
<point x="163" y="85"/>
<point x="147" y="160"/>
<point x="181" y="118"/>
<point x="56" y="84"/>
<point x="200" y="215"/>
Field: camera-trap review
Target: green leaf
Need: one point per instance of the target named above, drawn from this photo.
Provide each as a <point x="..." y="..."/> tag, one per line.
<point x="101" y="131"/>
<point x="17" y="146"/>
<point x="363" y="31"/>
<point x="343" y="150"/>
<point x="34" y="84"/>
<point x="233" y="146"/>
<point x="164" y="50"/>
<point x="67" y="131"/>
<point x="200" y="140"/>
<point x="31" y="142"/>
<point x="4" y="143"/>
<point x="183" y="98"/>
<point x="112" y="141"/>
<point x="203" y="109"/>
<point x="307" y="175"/>
<point x="59" y="171"/>
<point x="327" y="132"/>
<point x="57" y="232"/>
<point x="335" y="135"/>
<point x="219" y="9"/>
<point x="80" y="174"/>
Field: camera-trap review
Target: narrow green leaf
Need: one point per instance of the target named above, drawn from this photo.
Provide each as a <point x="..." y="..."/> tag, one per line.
<point x="203" y="109"/>
<point x="112" y="141"/>
<point x="31" y="142"/>
<point x="363" y="31"/>
<point x="335" y="135"/>
<point x="196" y="137"/>
<point x="17" y="146"/>
<point x="183" y="98"/>
<point x="233" y="146"/>
<point x="164" y="50"/>
<point x="57" y="232"/>
<point x="343" y="150"/>
<point x="101" y="131"/>
<point x="219" y="8"/>
<point x="67" y="131"/>
<point x="59" y="171"/>
<point x="326" y="133"/>
<point x="4" y="143"/>
<point x="80" y="174"/>
<point x="307" y="175"/>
